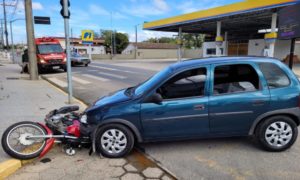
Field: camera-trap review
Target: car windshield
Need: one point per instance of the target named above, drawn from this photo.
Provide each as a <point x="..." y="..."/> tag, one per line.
<point x="76" y="55"/>
<point x="49" y="48"/>
<point x="152" y="81"/>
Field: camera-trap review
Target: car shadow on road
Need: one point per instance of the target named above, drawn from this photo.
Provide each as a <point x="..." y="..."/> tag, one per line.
<point x="204" y="144"/>
<point x="52" y="71"/>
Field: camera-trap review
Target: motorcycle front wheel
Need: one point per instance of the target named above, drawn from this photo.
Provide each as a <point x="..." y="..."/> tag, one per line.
<point x="16" y="141"/>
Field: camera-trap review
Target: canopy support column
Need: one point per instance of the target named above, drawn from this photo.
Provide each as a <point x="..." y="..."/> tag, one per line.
<point x="226" y="44"/>
<point x="218" y="39"/>
<point x="273" y="30"/>
<point x="179" y="52"/>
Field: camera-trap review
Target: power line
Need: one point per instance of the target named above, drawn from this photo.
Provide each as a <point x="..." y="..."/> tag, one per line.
<point x="15" y="9"/>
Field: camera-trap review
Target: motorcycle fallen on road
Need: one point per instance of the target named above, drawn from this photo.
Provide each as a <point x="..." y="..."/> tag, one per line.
<point x="28" y="140"/>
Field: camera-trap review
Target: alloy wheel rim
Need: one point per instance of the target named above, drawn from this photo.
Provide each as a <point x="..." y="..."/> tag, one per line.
<point x="18" y="143"/>
<point x="113" y="141"/>
<point x="278" y="134"/>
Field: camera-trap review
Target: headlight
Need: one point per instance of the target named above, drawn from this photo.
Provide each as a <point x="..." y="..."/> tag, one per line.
<point x="83" y="119"/>
<point x="65" y="60"/>
<point x="42" y="61"/>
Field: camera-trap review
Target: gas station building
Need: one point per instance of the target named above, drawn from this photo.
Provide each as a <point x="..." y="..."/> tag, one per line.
<point x="248" y="27"/>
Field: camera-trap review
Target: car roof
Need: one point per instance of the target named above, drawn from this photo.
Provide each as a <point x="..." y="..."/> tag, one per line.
<point x="223" y="59"/>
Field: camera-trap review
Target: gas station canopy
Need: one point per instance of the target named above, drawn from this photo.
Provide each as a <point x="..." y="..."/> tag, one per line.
<point x="241" y="20"/>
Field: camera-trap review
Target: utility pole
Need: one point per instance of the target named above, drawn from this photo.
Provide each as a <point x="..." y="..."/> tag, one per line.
<point x="66" y="15"/>
<point x="111" y="37"/>
<point x="136" y="48"/>
<point x="12" y="43"/>
<point x="2" y="38"/>
<point x="115" y="48"/>
<point x="33" y="70"/>
<point x="12" y="39"/>
<point x="5" y="25"/>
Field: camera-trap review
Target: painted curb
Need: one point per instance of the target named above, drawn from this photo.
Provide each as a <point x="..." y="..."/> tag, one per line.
<point x="8" y="167"/>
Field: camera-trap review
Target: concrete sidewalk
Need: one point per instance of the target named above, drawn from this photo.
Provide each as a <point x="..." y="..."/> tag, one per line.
<point x="25" y="100"/>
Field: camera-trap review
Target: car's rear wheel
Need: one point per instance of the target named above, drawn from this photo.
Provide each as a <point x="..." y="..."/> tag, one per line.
<point x="277" y="133"/>
<point x="114" y="140"/>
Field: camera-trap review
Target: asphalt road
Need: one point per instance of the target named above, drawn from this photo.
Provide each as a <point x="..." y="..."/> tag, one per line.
<point x="226" y="158"/>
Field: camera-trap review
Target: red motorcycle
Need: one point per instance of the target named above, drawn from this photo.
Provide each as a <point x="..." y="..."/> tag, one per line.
<point x="27" y="140"/>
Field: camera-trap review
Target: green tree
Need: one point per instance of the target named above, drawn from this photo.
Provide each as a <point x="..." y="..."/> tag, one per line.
<point x="121" y="40"/>
<point x="162" y="40"/>
<point x="190" y="41"/>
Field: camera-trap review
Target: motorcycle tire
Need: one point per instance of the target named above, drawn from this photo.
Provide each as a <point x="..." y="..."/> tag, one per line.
<point x="23" y="142"/>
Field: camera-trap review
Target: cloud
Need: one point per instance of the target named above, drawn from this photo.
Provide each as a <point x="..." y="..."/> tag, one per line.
<point x="98" y="10"/>
<point x="193" y="5"/>
<point x="187" y="7"/>
<point x="161" y="4"/>
<point x="37" y="6"/>
<point x="118" y="15"/>
<point x="147" y="8"/>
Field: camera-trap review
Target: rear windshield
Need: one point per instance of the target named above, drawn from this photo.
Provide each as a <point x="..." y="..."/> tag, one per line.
<point x="274" y="75"/>
<point x="49" y="48"/>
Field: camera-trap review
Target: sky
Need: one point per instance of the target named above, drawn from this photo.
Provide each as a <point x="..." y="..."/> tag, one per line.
<point x="121" y="15"/>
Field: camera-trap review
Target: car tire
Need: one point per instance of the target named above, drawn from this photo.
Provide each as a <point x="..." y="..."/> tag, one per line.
<point x="86" y="65"/>
<point x="114" y="140"/>
<point x="277" y="133"/>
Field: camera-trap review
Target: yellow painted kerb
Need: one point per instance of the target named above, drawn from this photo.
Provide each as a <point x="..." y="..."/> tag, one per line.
<point x="231" y="8"/>
<point x="8" y="167"/>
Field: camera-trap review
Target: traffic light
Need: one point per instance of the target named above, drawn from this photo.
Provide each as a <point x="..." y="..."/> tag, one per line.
<point x="65" y="13"/>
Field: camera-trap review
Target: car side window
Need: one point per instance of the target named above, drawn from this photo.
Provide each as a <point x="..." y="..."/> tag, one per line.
<point x="185" y="84"/>
<point x="235" y="78"/>
<point x="274" y="76"/>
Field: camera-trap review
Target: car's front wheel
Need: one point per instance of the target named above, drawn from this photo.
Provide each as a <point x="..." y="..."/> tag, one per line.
<point x="277" y="133"/>
<point x="114" y="140"/>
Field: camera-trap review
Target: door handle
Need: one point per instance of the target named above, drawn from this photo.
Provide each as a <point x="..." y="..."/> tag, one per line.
<point x="258" y="102"/>
<point x="199" y="107"/>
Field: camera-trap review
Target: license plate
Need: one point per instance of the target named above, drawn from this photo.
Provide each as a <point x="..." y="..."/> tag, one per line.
<point x="55" y="67"/>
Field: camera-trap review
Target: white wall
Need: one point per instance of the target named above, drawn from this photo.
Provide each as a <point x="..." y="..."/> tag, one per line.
<point x="297" y="49"/>
<point x="282" y="48"/>
<point x="129" y="49"/>
<point x="255" y="47"/>
<point x="211" y="45"/>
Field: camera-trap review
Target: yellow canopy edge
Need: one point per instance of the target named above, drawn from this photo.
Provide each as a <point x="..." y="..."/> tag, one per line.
<point x="231" y="8"/>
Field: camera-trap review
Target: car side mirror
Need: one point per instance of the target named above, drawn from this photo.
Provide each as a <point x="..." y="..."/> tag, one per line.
<point x="154" y="98"/>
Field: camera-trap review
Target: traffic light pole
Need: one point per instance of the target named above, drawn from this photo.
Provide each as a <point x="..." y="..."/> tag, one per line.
<point x="69" y="70"/>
